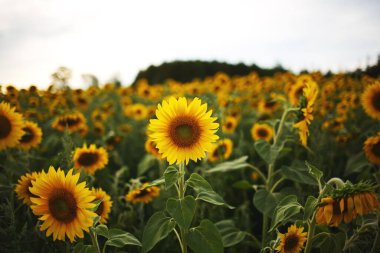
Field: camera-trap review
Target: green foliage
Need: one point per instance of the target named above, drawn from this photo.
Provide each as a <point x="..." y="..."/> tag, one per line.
<point x="230" y="234"/>
<point x="205" y="238"/>
<point x="286" y="209"/>
<point x="265" y="201"/>
<point x="239" y="163"/>
<point x="171" y="176"/>
<point x="182" y="210"/>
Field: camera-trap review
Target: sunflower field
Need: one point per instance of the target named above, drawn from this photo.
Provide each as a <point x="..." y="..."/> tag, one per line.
<point x="288" y="163"/>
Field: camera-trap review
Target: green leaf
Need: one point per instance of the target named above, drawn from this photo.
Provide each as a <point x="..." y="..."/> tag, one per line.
<point x="102" y="230"/>
<point x="81" y="248"/>
<point x="310" y="205"/>
<point x="119" y="238"/>
<point x="145" y="164"/>
<point x="198" y="183"/>
<point x="205" y="238"/>
<point x="356" y="163"/>
<point x="182" y="210"/>
<point x="242" y="184"/>
<point x="157" y="228"/>
<point x="286" y="208"/>
<point x="97" y="203"/>
<point x="156" y="182"/>
<point x="298" y="174"/>
<point x="171" y="176"/>
<point x="314" y="171"/>
<point x="330" y="242"/>
<point x="236" y="164"/>
<point x="265" y="201"/>
<point x="213" y="198"/>
<point x="230" y="234"/>
<point x="267" y="152"/>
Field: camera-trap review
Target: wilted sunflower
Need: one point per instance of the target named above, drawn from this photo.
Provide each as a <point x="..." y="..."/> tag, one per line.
<point x="143" y="194"/>
<point x="229" y="125"/>
<point x="372" y="149"/>
<point x="183" y="131"/>
<point x="73" y="122"/>
<point x="22" y="187"/>
<point x="90" y="158"/>
<point x="104" y="207"/>
<point x="32" y="135"/>
<point x="11" y="125"/>
<point x="371" y="100"/>
<point x="150" y="147"/>
<point x="62" y="204"/>
<point x="221" y="150"/>
<point x="292" y="241"/>
<point x="262" y="132"/>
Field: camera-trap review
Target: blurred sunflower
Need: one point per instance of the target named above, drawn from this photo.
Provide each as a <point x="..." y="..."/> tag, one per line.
<point x="63" y="204"/>
<point x="104" y="207"/>
<point x="11" y="126"/>
<point x="73" y="122"/>
<point x="221" y="150"/>
<point x="22" y="187"/>
<point x="32" y="135"/>
<point x="229" y="125"/>
<point x="262" y="132"/>
<point x="90" y="159"/>
<point x="150" y="147"/>
<point x="371" y="101"/>
<point x="143" y="194"/>
<point x="183" y="131"/>
<point x="292" y="241"/>
<point x="372" y="149"/>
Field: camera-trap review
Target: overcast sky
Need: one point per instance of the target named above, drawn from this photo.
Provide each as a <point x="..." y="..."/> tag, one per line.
<point x="119" y="38"/>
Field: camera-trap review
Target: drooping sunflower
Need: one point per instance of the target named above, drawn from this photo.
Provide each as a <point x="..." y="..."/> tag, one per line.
<point x="262" y="132"/>
<point x="221" y="150"/>
<point x="150" y="147"/>
<point x="292" y="241"/>
<point x="371" y="100"/>
<point x="22" y="187"/>
<point x="11" y="125"/>
<point x="73" y="122"/>
<point x="372" y="149"/>
<point x="90" y="159"/>
<point x="63" y="204"/>
<point x="183" y="131"/>
<point x="32" y="135"/>
<point x="104" y="207"/>
<point x="229" y="125"/>
<point x="142" y="194"/>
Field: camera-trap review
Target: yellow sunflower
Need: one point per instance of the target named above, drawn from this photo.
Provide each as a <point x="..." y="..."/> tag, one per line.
<point x="104" y="207"/>
<point x="73" y="122"/>
<point x="150" y="147"/>
<point x="229" y="125"/>
<point x="32" y="135"/>
<point x="295" y="93"/>
<point x="136" y="111"/>
<point x="221" y="150"/>
<point x="22" y="187"/>
<point x="183" y="131"/>
<point x="90" y="158"/>
<point x="262" y="132"/>
<point x="143" y="194"/>
<point x="372" y="149"/>
<point x="62" y="204"/>
<point x="11" y="126"/>
<point x="371" y="101"/>
<point x="292" y="241"/>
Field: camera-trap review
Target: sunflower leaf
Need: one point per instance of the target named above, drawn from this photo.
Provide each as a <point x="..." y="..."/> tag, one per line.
<point x="230" y="234"/>
<point x="81" y="248"/>
<point x="310" y="205"/>
<point x="205" y="238"/>
<point x="171" y="176"/>
<point x="102" y="230"/>
<point x="286" y="208"/>
<point x="146" y="163"/>
<point x="182" y="210"/>
<point x="314" y="171"/>
<point x="265" y="201"/>
<point x="236" y="164"/>
<point x="119" y="238"/>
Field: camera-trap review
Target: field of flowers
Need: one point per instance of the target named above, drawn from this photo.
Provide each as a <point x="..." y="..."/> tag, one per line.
<point x="288" y="163"/>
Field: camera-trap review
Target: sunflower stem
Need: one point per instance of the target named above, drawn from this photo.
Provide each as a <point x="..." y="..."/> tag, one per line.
<point x="94" y="240"/>
<point x="310" y="234"/>
<point x="181" y="195"/>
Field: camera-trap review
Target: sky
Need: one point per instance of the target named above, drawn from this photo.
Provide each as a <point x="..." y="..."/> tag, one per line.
<point x="118" y="38"/>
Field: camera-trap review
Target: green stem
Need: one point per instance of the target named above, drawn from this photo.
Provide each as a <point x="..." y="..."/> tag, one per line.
<point x="181" y="195"/>
<point x="94" y="240"/>
<point x="310" y="235"/>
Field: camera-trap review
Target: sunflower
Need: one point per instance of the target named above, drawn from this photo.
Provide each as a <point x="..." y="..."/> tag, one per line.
<point x="73" y="122"/>
<point x="183" y="131"/>
<point x="293" y="240"/>
<point x="221" y="150"/>
<point x="371" y="101"/>
<point x="229" y="125"/>
<point x="104" y="207"/>
<point x="143" y="194"/>
<point x="150" y="147"/>
<point x="62" y="204"/>
<point x="262" y="132"/>
<point x="372" y="149"/>
<point x="32" y="135"/>
<point x="22" y="187"/>
<point x="11" y="126"/>
<point x="90" y="158"/>
<point x="296" y="92"/>
<point x="136" y="111"/>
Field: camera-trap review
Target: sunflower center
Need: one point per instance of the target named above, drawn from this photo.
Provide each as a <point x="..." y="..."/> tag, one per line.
<point x="220" y="150"/>
<point x="184" y="131"/>
<point x="6" y="127"/>
<point x="100" y="209"/>
<point x="376" y="149"/>
<point x="28" y="135"/>
<point x="142" y="193"/>
<point x="262" y="133"/>
<point x="270" y="104"/>
<point x="69" y="122"/>
<point x="228" y="125"/>
<point x="88" y="159"/>
<point x="376" y="101"/>
<point x="291" y="242"/>
<point x="62" y="205"/>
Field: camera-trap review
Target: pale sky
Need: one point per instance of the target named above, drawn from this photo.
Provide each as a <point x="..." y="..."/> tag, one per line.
<point x="119" y="38"/>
